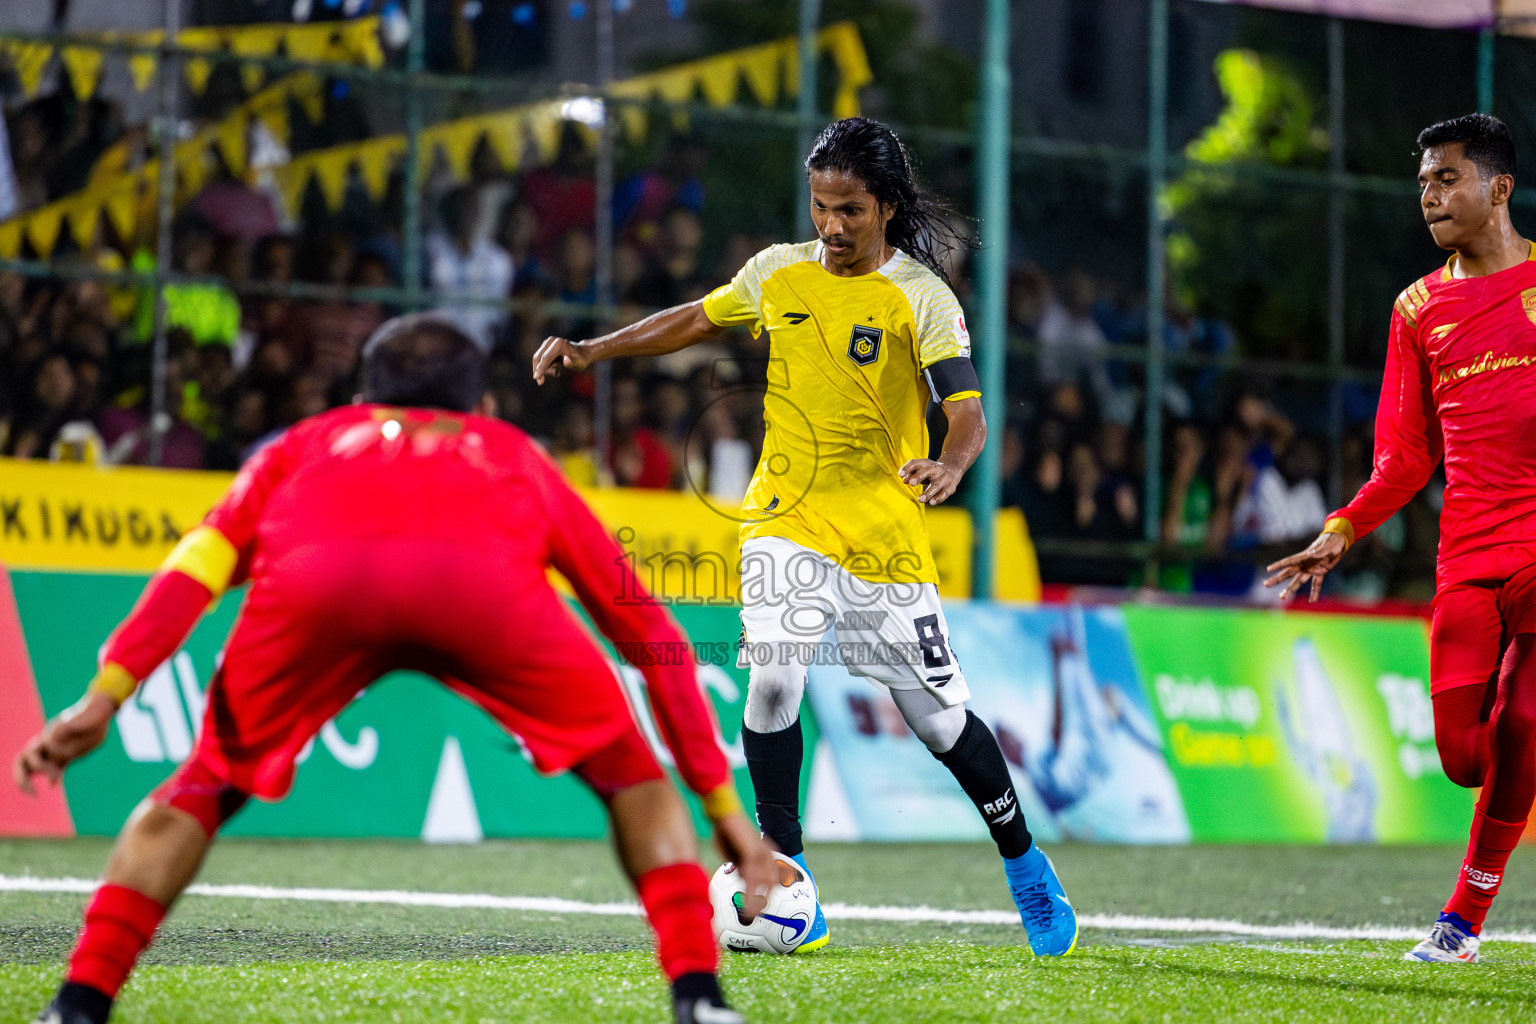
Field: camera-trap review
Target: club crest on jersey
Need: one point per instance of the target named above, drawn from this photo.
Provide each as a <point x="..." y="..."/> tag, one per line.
<point x="864" y="346"/>
<point x="1528" y="303"/>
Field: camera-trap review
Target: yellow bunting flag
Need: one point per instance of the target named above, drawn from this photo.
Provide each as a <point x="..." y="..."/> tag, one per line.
<point x="457" y="140"/>
<point x="309" y="43"/>
<point x="83" y="217"/>
<point x="674" y="86"/>
<point x="43" y="228"/>
<point x="30" y="60"/>
<point x="542" y="123"/>
<point x="361" y="40"/>
<point x="255" y="41"/>
<point x="504" y="134"/>
<point x="10" y="239"/>
<point x="375" y="161"/>
<point x="122" y="206"/>
<point x="719" y="79"/>
<point x="291" y="182"/>
<point x="331" y="175"/>
<point x="142" y="67"/>
<point x="206" y="39"/>
<point x="635" y="120"/>
<point x="197" y="70"/>
<point x="83" y="64"/>
<point x="842" y="41"/>
<point x="760" y="67"/>
<point x="230" y="135"/>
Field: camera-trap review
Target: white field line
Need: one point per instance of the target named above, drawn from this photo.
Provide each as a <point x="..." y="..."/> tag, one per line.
<point x="834" y="911"/>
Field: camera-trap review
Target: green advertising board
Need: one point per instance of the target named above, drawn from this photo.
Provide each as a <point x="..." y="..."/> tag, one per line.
<point x="1286" y="726"/>
<point x="406" y="759"/>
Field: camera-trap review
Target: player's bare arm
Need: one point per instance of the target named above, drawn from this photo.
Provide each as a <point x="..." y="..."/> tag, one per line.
<point x="67" y="738"/>
<point x="967" y="434"/>
<point x="1309" y="565"/>
<point x="660" y="333"/>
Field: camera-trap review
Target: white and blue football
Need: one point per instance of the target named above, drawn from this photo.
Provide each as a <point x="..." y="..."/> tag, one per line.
<point x="784" y="922"/>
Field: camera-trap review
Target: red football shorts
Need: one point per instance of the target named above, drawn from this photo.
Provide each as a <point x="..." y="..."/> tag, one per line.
<point x="327" y="620"/>
<point x="1472" y="622"/>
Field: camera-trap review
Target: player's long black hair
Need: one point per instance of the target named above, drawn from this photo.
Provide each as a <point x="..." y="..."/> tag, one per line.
<point x="871" y="152"/>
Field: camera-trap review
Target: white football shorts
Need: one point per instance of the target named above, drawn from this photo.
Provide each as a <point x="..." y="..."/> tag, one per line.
<point x="892" y="633"/>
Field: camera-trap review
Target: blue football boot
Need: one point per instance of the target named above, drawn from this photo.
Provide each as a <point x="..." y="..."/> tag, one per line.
<point x="1048" y="917"/>
<point x="818" y="936"/>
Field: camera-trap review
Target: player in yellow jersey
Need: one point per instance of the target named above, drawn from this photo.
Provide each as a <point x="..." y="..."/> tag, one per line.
<point x="863" y="331"/>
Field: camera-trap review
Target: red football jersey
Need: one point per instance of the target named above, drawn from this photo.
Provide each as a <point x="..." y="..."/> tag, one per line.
<point x="422" y="477"/>
<point x="1460" y="383"/>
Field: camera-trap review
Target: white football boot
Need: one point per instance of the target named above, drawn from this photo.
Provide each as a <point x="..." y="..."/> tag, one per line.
<point x="1449" y="942"/>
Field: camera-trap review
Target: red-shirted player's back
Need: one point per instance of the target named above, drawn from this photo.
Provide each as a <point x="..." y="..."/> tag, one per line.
<point x="370" y="471"/>
<point x="1478" y="339"/>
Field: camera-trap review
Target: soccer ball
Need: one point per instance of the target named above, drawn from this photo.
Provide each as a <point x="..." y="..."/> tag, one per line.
<point x="784" y="922"/>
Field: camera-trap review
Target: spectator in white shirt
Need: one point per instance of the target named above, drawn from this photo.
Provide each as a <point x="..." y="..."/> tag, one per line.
<point x="469" y="271"/>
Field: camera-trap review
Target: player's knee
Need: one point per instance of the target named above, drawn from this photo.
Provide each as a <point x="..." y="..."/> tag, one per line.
<point x="1515" y="726"/>
<point x="196" y="790"/>
<point x="773" y="697"/>
<point x="1459" y="761"/>
<point x="941" y="730"/>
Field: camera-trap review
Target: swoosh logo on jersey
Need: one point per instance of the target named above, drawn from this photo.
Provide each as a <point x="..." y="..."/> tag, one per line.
<point x="797" y="318"/>
<point x="794" y="923"/>
<point x="938" y="681"/>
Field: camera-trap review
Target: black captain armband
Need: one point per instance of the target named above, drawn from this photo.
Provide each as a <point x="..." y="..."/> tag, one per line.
<point x="952" y="378"/>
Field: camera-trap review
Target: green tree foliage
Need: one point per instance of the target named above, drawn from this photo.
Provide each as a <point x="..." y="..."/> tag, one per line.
<point x="1244" y="248"/>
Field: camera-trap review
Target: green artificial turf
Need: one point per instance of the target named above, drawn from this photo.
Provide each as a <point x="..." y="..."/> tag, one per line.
<point x="247" y="960"/>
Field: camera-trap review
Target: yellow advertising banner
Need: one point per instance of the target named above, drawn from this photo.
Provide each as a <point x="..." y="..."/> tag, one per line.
<point x="81" y="517"/>
<point x="127" y="519"/>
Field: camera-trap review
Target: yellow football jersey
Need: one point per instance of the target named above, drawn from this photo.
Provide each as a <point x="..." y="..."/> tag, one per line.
<point x="846" y="403"/>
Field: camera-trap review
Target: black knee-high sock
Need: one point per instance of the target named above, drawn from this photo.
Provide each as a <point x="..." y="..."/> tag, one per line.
<point x="774" y="759"/>
<point x="977" y="764"/>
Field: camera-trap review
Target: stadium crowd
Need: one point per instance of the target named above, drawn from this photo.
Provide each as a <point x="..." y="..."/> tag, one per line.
<point x="512" y="259"/>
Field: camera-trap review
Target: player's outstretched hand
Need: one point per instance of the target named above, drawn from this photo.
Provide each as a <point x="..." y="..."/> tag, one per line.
<point x="1310" y="564"/>
<point x="937" y="480"/>
<point x="556" y="355"/>
<point x="753" y="857"/>
<point x="68" y="737"/>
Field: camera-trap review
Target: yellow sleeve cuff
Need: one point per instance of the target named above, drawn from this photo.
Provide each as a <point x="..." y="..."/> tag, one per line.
<point x="1344" y="528"/>
<point x="207" y="556"/>
<point x="114" y="681"/>
<point x="722" y="802"/>
<point x="958" y="395"/>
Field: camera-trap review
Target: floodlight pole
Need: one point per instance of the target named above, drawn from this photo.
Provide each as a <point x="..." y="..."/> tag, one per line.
<point x="805" y="115"/>
<point x="410" y="219"/>
<point x="602" y="270"/>
<point x="1337" y="186"/>
<point x="1485" y="54"/>
<point x="170" y="70"/>
<point x="993" y="132"/>
<point x="1157" y="170"/>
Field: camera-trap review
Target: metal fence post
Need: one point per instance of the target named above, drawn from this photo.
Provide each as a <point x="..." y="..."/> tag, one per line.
<point x="805" y="115"/>
<point x="170" y="70"/>
<point x="993" y="133"/>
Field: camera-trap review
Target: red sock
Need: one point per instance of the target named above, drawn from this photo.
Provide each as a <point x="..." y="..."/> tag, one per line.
<point x="676" y="899"/>
<point x="119" y="923"/>
<point x="1483" y="870"/>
